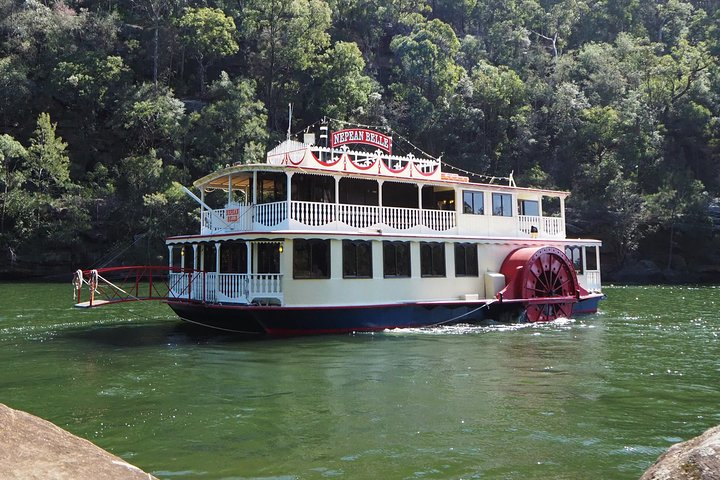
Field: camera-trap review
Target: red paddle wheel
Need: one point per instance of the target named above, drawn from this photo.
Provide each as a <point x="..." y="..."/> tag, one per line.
<point x="543" y="280"/>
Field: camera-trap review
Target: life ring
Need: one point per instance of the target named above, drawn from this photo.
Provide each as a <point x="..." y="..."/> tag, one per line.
<point x="93" y="280"/>
<point x="77" y="282"/>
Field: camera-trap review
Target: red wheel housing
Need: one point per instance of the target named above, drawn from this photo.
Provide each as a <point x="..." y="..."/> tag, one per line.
<point x="545" y="278"/>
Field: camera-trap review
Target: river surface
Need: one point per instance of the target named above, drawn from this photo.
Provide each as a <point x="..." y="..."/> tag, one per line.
<point x="598" y="397"/>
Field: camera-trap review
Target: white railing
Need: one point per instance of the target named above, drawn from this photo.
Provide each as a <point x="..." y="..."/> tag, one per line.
<point x="319" y="214"/>
<point x="439" y="220"/>
<point x="358" y="216"/>
<point x="264" y="285"/>
<point x="233" y="218"/>
<point x="551" y="227"/>
<point x="225" y="287"/>
<point x="592" y="281"/>
<point x="271" y="214"/>
<point x="210" y="294"/>
<point x="315" y="214"/>
<point x="186" y="285"/>
<point x="232" y="287"/>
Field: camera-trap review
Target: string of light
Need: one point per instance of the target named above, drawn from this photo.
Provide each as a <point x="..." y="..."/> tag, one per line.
<point x="486" y="178"/>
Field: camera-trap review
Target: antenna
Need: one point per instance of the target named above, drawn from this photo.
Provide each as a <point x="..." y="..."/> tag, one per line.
<point x="289" y="119"/>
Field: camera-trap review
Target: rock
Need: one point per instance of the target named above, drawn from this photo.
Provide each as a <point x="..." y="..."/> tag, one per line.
<point x="696" y="459"/>
<point x="33" y="448"/>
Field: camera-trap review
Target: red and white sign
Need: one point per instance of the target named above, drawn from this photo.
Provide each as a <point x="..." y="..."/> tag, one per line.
<point x="232" y="214"/>
<point x="363" y="136"/>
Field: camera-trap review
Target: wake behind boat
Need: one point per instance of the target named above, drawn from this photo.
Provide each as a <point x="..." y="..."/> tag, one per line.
<point x="334" y="233"/>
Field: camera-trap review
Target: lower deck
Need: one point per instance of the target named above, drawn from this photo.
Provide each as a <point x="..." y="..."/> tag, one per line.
<point x="305" y="272"/>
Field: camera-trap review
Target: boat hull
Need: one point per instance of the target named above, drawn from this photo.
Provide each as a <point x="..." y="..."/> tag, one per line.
<point x="287" y="321"/>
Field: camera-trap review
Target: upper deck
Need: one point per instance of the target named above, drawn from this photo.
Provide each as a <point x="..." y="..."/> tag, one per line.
<point x="303" y="186"/>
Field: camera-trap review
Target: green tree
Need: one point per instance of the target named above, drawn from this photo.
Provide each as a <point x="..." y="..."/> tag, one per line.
<point x="342" y="88"/>
<point x="426" y="60"/>
<point x="285" y="40"/>
<point x="154" y="119"/>
<point x="12" y="158"/>
<point x="48" y="164"/>
<point x="209" y="34"/>
<point x="231" y="128"/>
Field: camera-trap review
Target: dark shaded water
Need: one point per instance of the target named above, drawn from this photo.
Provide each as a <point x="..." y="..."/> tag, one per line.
<point x="600" y="397"/>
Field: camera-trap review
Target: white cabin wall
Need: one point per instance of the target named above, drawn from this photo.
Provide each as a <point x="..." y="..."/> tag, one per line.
<point x="378" y="290"/>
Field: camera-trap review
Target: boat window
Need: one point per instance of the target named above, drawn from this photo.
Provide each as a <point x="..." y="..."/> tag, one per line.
<point x="432" y="259"/>
<point x="357" y="259"/>
<point x="438" y="198"/>
<point x="574" y="254"/>
<point x="271" y="187"/>
<point x="268" y="260"/>
<point x="466" y="260"/>
<point x="233" y="257"/>
<point x="358" y="191"/>
<point x="502" y="204"/>
<point x="396" y="194"/>
<point x="529" y="207"/>
<point x="313" y="188"/>
<point x="473" y="202"/>
<point x="396" y="259"/>
<point x="591" y="258"/>
<point x="311" y="258"/>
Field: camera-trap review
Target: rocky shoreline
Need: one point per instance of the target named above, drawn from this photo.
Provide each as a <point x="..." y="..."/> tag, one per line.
<point x="34" y="449"/>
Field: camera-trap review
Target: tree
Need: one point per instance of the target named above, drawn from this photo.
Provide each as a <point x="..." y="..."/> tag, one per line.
<point x="154" y="118"/>
<point x="157" y="11"/>
<point x="231" y="128"/>
<point x="48" y="165"/>
<point x="209" y="34"/>
<point x="341" y="86"/>
<point x="426" y="59"/>
<point x="285" y="39"/>
<point x="681" y="198"/>
<point x="12" y="158"/>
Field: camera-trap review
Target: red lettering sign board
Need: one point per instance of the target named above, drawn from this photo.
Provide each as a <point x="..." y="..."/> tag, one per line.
<point x="232" y="214"/>
<point x="362" y="136"/>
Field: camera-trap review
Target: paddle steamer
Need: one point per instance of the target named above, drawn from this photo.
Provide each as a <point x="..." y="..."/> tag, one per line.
<point x="334" y="233"/>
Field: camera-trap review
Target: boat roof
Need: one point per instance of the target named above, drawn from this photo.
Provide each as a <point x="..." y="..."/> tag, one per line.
<point x="240" y="175"/>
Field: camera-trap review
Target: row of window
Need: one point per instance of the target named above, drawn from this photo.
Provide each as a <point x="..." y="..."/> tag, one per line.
<point x="474" y="204"/>
<point x="311" y="259"/>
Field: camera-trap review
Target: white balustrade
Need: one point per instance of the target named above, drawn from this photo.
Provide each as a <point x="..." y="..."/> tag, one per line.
<point x="313" y="214"/>
<point x="265" y="285"/>
<point x="178" y="285"/>
<point x="546" y="227"/>
<point x="359" y="216"/>
<point x="225" y="287"/>
<point x="270" y="214"/>
<point x="233" y="218"/>
<point x="592" y="281"/>
<point x="210" y="294"/>
<point x="553" y="227"/>
<point x="186" y="285"/>
<point x="439" y="220"/>
<point x="232" y="286"/>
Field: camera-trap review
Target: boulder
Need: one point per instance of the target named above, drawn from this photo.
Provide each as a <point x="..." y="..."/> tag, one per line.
<point x="696" y="459"/>
<point x="33" y="448"/>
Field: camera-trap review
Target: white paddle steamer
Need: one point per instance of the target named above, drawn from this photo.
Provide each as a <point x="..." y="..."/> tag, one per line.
<point x="336" y="234"/>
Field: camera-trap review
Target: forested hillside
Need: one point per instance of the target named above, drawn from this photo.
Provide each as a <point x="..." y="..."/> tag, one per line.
<point x="106" y="107"/>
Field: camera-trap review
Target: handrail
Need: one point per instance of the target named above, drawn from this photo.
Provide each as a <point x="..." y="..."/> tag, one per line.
<point x="141" y="283"/>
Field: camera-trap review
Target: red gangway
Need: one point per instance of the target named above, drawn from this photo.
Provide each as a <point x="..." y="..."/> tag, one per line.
<point x="104" y="286"/>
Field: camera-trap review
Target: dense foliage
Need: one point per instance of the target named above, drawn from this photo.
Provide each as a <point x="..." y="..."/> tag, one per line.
<point x="106" y="107"/>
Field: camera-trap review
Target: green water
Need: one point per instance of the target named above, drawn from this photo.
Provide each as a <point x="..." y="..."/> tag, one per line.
<point x="600" y="397"/>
